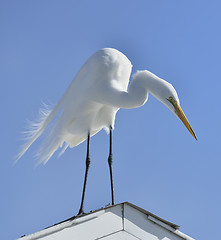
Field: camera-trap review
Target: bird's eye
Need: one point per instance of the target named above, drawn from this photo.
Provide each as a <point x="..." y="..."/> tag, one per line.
<point x="172" y="100"/>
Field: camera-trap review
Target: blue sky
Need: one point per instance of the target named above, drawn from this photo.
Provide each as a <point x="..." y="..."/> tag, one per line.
<point x="157" y="164"/>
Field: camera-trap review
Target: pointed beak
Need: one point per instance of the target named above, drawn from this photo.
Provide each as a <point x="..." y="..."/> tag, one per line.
<point x="179" y="112"/>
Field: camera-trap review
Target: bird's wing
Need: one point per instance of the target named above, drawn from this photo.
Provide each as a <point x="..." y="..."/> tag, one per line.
<point x="71" y="104"/>
<point x="78" y="100"/>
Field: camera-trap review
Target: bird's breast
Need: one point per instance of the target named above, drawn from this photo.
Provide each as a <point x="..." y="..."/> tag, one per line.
<point x="93" y="117"/>
<point x="105" y="117"/>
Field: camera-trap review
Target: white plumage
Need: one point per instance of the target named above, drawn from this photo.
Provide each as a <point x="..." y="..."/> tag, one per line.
<point x="93" y="98"/>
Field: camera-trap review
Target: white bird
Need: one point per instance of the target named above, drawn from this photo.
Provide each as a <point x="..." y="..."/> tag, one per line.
<point x="92" y="100"/>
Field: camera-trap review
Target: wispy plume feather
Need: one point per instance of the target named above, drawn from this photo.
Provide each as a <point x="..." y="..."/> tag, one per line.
<point x="35" y="129"/>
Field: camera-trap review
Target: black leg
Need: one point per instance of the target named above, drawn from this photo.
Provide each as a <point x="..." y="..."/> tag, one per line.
<point x="110" y="160"/>
<point x="88" y="161"/>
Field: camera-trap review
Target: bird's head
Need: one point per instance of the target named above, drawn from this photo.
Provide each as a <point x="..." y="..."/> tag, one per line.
<point x="174" y="105"/>
<point x="166" y="94"/>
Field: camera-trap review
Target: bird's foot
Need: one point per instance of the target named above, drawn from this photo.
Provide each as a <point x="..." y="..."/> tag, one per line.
<point x="81" y="212"/>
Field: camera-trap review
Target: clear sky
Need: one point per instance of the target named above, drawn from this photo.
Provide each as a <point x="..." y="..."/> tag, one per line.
<point x="157" y="163"/>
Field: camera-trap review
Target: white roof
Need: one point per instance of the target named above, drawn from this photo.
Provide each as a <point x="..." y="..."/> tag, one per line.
<point x="123" y="221"/>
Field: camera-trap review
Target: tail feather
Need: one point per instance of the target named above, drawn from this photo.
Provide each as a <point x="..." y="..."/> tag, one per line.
<point x="50" y="145"/>
<point x="36" y="129"/>
<point x="55" y="140"/>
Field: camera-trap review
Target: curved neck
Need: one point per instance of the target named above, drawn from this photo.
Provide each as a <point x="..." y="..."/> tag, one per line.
<point x="137" y="94"/>
<point x="142" y="83"/>
<point x="148" y="81"/>
<point x="145" y="82"/>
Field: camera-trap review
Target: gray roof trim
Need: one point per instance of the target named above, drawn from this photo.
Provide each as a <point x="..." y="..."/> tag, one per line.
<point x="128" y="203"/>
<point x="153" y="215"/>
<point x="77" y="218"/>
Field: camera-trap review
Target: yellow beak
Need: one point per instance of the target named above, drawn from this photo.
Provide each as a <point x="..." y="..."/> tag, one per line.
<point x="179" y="112"/>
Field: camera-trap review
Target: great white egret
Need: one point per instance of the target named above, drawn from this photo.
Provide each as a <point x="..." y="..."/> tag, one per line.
<point x="92" y="100"/>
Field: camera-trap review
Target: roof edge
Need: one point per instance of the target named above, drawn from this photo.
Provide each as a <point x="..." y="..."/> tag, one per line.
<point x="153" y="215"/>
<point x="79" y="218"/>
